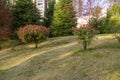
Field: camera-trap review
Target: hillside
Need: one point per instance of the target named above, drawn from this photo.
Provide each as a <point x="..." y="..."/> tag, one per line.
<point x="62" y="58"/>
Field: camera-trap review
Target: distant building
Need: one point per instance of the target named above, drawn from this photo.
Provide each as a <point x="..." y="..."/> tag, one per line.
<point x="83" y="20"/>
<point x="41" y="5"/>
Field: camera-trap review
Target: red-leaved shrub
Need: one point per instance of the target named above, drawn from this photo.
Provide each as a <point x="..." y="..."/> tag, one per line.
<point x="33" y="33"/>
<point x="85" y="34"/>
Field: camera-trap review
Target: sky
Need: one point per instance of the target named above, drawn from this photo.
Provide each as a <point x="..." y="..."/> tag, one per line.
<point x="101" y="3"/>
<point x="104" y="4"/>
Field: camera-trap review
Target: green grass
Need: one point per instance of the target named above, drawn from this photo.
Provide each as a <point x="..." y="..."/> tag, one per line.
<point x="62" y="58"/>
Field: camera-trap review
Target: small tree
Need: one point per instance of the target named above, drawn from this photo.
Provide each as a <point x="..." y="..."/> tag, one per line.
<point x="33" y="33"/>
<point x="85" y="35"/>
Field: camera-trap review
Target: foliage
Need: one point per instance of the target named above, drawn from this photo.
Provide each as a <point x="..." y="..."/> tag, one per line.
<point x="115" y="16"/>
<point x="49" y="13"/>
<point x="33" y="33"/>
<point x="102" y="25"/>
<point x="115" y="9"/>
<point x="63" y="20"/>
<point x="95" y="11"/>
<point x="116" y="32"/>
<point x="85" y="35"/>
<point x="6" y="2"/>
<point x="114" y="12"/>
<point x="25" y="12"/>
<point x="5" y="21"/>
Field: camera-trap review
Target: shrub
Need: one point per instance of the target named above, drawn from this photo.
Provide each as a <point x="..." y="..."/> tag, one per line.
<point x="85" y="35"/>
<point x="33" y="33"/>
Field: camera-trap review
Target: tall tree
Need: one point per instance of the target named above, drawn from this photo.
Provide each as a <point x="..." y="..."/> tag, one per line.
<point x="5" y="21"/>
<point x="63" y="20"/>
<point x="114" y="12"/>
<point x="78" y="7"/>
<point x="49" y="13"/>
<point x="25" y="12"/>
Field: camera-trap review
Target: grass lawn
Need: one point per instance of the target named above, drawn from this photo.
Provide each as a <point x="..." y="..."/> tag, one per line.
<point x="62" y="58"/>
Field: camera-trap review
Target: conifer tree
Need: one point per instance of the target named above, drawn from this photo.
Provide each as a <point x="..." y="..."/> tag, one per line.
<point x="49" y="13"/>
<point x="63" y="19"/>
<point x="25" y="12"/>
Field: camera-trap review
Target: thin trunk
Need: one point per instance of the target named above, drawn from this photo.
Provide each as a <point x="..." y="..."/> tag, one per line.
<point x="0" y="47"/>
<point x="119" y="40"/>
<point x="85" y="45"/>
<point x="36" y="45"/>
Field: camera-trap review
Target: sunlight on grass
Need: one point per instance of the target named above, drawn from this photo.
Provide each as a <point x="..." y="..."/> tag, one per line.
<point x="62" y="58"/>
<point x="113" y="76"/>
<point x="103" y="37"/>
<point x="15" y="61"/>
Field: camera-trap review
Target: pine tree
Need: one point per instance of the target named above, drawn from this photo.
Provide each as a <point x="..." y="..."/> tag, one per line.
<point x="49" y="13"/>
<point x="25" y="12"/>
<point x="63" y="19"/>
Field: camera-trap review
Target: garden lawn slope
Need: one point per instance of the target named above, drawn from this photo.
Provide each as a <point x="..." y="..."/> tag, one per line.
<point x="62" y="58"/>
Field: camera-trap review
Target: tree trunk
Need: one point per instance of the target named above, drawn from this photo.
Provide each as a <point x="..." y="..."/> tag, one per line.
<point x="36" y="45"/>
<point x="85" y="45"/>
<point x="0" y="47"/>
<point x="119" y="40"/>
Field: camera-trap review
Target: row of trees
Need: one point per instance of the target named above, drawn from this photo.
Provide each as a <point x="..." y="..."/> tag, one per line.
<point x="60" y="17"/>
<point x="13" y="17"/>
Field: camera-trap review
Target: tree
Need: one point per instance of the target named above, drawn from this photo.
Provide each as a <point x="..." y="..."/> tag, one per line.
<point x="5" y="22"/>
<point x="78" y="7"/>
<point x="63" y="20"/>
<point x="49" y="13"/>
<point x="96" y="11"/>
<point x="33" y="33"/>
<point x="114" y="11"/>
<point x="115" y="16"/>
<point x="103" y="25"/>
<point x="25" y="12"/>
<point x="85" y="35"/>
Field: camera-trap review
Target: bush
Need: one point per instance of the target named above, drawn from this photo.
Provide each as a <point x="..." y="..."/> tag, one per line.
<point x="33" y="33"/>
<point x="85" y="35"/>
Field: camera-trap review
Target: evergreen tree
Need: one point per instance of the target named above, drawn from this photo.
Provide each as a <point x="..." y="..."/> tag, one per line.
<point x="115" y="15"/>
<point x="115" y="10"/>
<point x="63" y="19"/>
<point x="25" y="12"/>
<point x="49" y="13"/>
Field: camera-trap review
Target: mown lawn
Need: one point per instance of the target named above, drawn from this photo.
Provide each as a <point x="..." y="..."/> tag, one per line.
<point x="62" y="58"/>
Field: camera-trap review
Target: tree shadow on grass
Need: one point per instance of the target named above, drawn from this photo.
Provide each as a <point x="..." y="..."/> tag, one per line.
<point x="107" y="45"/>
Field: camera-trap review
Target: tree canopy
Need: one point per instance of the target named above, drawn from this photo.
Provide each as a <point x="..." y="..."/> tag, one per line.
<point x="63" y="19"/>
<point x="25" y="12"/>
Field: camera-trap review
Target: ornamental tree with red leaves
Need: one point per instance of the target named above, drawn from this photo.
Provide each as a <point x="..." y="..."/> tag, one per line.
<point x="85" y="34"/>
<point x="5" y="21"/>
<point x="33" y="33"/>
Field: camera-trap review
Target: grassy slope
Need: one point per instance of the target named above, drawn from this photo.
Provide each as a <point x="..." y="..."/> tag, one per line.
<point x="62" y="59"/>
